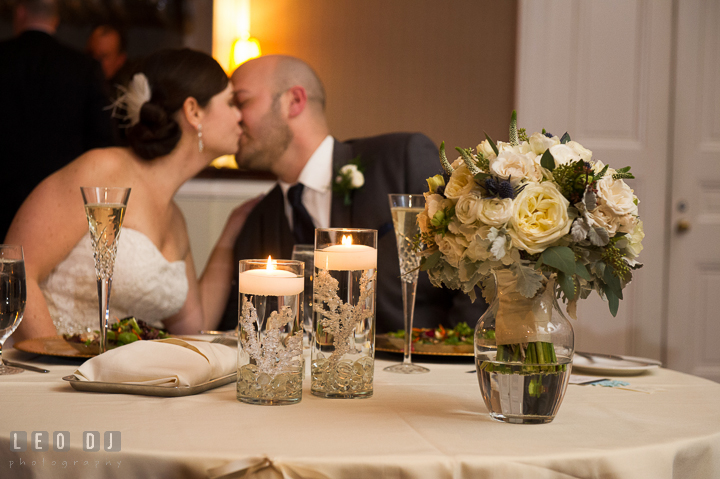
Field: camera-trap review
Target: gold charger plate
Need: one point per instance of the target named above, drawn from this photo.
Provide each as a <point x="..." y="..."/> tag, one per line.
<point x="57" y="346"/>
<point x="51" y="346"/>
<point x="390" y="344"/>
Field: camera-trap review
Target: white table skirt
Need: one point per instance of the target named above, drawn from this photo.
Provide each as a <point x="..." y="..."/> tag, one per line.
<point x="419" y="426"/>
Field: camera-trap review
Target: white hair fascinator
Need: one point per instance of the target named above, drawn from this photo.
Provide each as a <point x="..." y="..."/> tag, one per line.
<point x="133" y="97"/>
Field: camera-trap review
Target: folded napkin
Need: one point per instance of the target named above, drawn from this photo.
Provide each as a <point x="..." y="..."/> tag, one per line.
<point x="164" y="362"/>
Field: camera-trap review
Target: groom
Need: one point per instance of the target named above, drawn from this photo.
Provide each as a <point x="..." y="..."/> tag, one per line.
<point x="285" y="132"/>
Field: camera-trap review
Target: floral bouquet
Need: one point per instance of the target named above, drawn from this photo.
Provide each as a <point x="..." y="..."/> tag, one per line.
<point x="536" y="217"/>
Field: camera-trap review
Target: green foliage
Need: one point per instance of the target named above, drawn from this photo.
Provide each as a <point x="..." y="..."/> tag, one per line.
<point x="547" y="161"/>
<point x="513" y="136"/>
<point x="522" y="135"/>
<point x="492" y="144"/>
<point x="561" y="258"/>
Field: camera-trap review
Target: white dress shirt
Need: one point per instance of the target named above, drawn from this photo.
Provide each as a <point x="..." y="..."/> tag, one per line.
<point x="317" y="193"/>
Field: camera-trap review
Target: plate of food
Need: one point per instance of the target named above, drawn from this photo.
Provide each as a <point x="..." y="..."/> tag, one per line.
<point x="435" y="342"/>
<point x="87" y="345"/>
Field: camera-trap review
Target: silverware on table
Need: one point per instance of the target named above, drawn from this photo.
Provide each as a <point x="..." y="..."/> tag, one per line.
<point x="24" y="366"/>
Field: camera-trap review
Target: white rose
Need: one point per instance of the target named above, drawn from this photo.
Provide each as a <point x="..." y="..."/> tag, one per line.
<point x="357" y="179"/>
<point x="564" y="155"/>
<point x="539" y="218"/>
<point x="635" y="240"/>
<point x="604" y="217"/>
<point x="513" y="165"/>
<point x="461" y="183"/>
<point x="451" y="250"/>
<point x="467" y="208"/>
<point x="581" y="151"/>
<point x="495" y="211"/>
<point x="617" y="195"/>
<point x="539" y="143"/>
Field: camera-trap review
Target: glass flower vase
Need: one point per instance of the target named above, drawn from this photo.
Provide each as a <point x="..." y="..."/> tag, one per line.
<point x="523" y="353"/>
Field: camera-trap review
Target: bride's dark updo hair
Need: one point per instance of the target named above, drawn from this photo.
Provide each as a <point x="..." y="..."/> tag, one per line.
<point x="173" y="76"/>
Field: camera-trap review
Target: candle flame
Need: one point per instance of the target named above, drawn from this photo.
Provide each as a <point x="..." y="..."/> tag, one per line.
<point x="346" y="240"/>
<point x="271" y="264"/>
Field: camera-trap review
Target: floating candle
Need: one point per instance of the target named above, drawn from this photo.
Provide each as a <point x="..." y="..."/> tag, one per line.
<point x="270" y="281"/>
<point x="346" y="256"/>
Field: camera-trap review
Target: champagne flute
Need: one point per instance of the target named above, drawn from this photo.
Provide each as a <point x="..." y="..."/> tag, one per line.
<point x="405" y="210"/>
<point x="12" y="296"/>
<point x="105" y="210"/>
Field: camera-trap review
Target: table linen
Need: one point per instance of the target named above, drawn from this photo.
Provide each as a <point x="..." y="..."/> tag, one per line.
<point x="419" y="426"/>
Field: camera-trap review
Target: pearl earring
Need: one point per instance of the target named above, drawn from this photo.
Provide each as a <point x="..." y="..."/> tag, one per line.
<point x="201" y="147"/>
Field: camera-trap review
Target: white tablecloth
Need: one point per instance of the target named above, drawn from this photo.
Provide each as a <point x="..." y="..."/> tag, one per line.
<point x="420" y="426"/>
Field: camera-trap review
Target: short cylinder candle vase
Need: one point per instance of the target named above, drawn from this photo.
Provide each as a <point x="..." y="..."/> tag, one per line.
<point x="270" y="335"/>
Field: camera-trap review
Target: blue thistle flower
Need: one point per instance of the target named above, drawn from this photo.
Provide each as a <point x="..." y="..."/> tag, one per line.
<point x="549" y="135"/>
<point x="506" y="190"/>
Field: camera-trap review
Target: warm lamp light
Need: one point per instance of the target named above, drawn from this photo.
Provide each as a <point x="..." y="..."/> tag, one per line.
<point x="232" y="43"/>
<point x="244" y="50"/>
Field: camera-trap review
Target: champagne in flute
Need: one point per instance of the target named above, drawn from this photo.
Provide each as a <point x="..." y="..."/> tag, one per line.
<point x="405" y="210"/>
<point x="105" y="221"/>
<point x="105" y="211"/>
<point x="12" y="296"/>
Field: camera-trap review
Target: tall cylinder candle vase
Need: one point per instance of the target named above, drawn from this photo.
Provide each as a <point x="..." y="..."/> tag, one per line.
<point x="270" y="338"/>
<point x="343" y="341"/>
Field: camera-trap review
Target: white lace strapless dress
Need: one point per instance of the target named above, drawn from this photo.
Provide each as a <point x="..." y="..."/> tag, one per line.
<point x="145" y="285"/>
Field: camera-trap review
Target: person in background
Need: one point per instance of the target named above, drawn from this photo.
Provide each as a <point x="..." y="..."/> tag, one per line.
<point x="181" y="116"/>
<point x="285" y="132"/>
<point x="108" y="45"/>
<point x="53" y="105"/>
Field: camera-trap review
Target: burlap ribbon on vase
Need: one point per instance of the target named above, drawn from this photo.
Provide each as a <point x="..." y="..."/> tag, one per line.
<point x="519" y="319"/>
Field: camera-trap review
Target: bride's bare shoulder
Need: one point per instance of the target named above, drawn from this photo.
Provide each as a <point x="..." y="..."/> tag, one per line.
<point x="107" y="165"/>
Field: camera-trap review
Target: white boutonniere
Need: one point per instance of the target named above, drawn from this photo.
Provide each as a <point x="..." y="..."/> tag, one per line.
<point x="348" y="178"/>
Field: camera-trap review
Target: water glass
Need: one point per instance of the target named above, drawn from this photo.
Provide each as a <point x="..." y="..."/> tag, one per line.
<point x="13" y="295"/>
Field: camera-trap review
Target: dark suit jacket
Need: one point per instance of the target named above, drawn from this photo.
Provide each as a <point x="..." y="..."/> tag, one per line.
<point x="394" y="163"/>
<point x="52" y="111"/>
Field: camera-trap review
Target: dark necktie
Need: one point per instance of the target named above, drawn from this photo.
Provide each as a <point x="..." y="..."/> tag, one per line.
<point x="303" y="227"/>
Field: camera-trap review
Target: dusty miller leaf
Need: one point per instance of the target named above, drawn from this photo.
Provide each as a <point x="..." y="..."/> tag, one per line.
<point x="590" y="200"/>
<point x="529" y="280"/>
<point x="488" y="288"/>
<point x="579" y="230"/>
<point x="598" y="236"/>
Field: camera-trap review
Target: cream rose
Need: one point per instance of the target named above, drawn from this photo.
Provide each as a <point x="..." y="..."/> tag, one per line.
<point x="539" y="218"/>
<point x="604" y="217"/>
<point x="495" y="211"/>
<point x="461" y="183"/>
<point x="467" y="208"/>
<point x="451" y="250"/>
<point x="513" y="165"/>
<point x="433" y="203"/>
<point x="626" y="224"/>
<point x="563" y="154"/>
<point x="539" y="143"/>
<point x="617" y="195"/>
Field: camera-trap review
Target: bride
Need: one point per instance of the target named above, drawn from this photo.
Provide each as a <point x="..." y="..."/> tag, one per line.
<point x="181" y="116"/>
